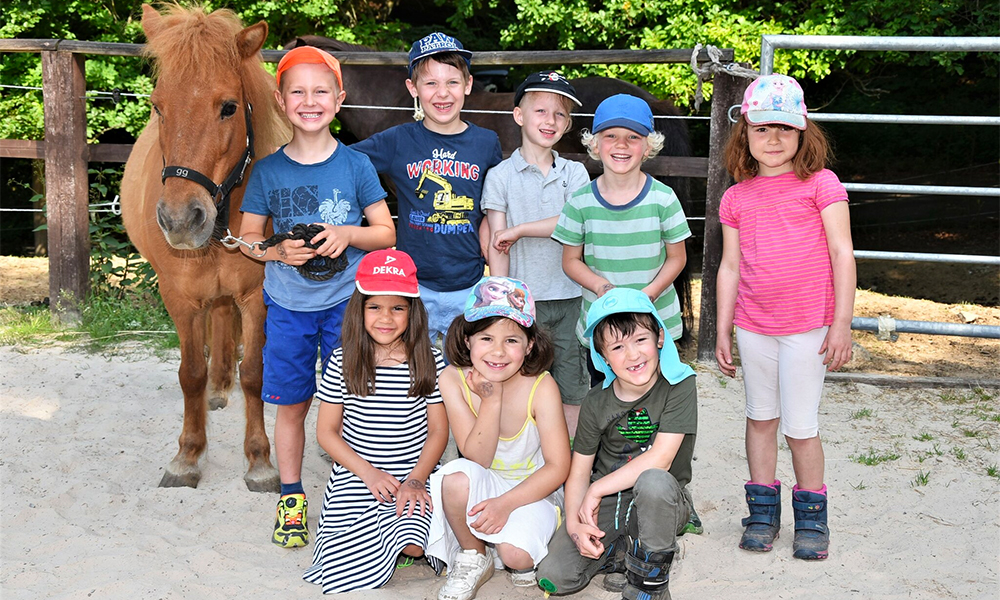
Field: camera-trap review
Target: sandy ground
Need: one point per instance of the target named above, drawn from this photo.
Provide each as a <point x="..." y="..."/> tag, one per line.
<point x="85" y="437"/>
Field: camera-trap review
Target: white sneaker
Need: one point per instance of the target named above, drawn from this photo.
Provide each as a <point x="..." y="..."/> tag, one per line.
<point x="523" y="578"/>
<point x="469" y="571"/>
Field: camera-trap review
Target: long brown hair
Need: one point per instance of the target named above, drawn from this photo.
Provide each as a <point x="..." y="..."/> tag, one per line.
<point x="536" y="361"/>
<point x="812" y="156"/>
<point x="359" y="350"/>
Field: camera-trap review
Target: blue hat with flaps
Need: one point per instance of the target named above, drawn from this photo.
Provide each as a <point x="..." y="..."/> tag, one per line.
<point x="627" y="300"/>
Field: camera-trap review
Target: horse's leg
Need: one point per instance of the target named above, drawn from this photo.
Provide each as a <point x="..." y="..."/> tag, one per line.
<point x="222" y="353"/>
<point x="261" y="475"/>
<point x="190" y="321"/>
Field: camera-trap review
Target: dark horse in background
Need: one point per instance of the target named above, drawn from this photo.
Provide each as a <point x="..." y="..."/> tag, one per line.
<point x="384" y="86"/>
<point x="209" y="73"/>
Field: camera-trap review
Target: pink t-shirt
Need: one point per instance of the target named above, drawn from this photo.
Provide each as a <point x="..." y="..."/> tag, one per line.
<point x="786" y="280"/>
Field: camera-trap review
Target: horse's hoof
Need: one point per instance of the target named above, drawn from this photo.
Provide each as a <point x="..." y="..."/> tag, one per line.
<point x="263" y="479"/>
<point x="188" y="479"/>
<point x="217" y="402"/>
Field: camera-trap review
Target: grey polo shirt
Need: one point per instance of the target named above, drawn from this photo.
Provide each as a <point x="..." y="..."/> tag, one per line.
<point x="519" y="189"/>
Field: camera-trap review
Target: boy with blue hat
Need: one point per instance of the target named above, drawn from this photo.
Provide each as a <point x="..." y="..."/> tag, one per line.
<point x="438" y="165"/>
<point x="523" y="197"/>
<point x="626" y="500"/>
<point x="625" y="229"/>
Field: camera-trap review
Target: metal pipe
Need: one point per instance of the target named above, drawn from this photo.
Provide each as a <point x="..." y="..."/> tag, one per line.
<point x="903" y="119"/>
<point x="962" y="259"/>
<point x="863" y="42"/>
<point x="929" y="190"/>
<point x="929" y="327"/>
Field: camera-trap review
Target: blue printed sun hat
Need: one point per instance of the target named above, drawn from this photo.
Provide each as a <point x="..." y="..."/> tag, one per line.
<point x="501" y="297"/>
<point x="624" y="110"/>
<point x="436" y="43"/>
<point x="627" y="300"/>
<point x="775" y="99"/>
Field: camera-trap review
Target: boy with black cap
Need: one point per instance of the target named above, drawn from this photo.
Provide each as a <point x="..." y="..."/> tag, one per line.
<point x="523" y="197"/>
<point x="438" y="165"/>
<point x="625" y="229"/>
<point x="625" y="497"/>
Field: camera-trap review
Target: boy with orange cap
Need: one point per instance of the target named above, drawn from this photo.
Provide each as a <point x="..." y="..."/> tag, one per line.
<point x="314" y="179"/>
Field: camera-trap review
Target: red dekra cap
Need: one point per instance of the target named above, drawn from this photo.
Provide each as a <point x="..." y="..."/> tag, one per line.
<point x="309" y="55"/>
<point x="387" y="273"/>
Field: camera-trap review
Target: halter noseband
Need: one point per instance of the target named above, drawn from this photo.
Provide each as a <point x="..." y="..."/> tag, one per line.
<point x="220" y="193"/>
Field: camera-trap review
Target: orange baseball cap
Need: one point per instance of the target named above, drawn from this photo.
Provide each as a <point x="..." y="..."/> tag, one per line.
<point x="309" y="55"/>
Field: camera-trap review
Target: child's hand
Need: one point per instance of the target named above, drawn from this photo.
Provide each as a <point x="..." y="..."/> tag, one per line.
<point x="294" y="252"/>
<point x="587" y="539"/>
<point x="409" y="495"/>
<point x="381" y="484"/>
<point x="335" y="240"/>
<point x="485" y="389"/>
<point x="604" y="289"/>
<point x="504" y="239"/>
<point x="588" y="509"/>
<point x="724" y="355"/>
<point x="837" y="347"/>
<point x="493" y="515"/>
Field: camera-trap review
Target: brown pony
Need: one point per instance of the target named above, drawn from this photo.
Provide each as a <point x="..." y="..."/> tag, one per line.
<point x="208" y="71"/>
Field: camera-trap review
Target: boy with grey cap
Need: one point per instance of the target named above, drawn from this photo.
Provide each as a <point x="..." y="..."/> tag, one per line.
<point x="625" y="495"/>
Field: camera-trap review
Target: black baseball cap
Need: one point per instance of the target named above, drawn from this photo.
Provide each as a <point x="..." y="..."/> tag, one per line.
<point x="546" y="81"/>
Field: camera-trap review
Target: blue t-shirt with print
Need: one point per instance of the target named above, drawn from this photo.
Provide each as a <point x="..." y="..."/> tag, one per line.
<point x="334" y="191"/>
<point x="439" y="183"/>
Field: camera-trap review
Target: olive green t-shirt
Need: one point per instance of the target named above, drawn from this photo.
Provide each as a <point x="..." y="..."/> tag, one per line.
<point x="619" y="431"/>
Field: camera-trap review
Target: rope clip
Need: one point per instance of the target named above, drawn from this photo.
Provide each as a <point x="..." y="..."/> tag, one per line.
<point x="232" y="242"/>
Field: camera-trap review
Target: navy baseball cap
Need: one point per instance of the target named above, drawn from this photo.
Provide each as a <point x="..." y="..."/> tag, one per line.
<point x="546" y="81"/>
<point x="623" y="110"/>
<point x="436" y="43"/>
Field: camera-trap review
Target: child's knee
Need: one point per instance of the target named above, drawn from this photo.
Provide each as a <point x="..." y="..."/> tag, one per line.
<point x="455" y="483"/>
<point x="657" y="483"/>
<point x="514" y="557"/>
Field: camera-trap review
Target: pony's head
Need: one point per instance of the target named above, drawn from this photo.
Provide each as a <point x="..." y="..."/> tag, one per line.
<point x="208" y="70"/>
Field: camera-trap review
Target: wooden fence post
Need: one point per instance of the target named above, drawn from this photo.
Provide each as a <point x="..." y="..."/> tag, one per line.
<point x="66" y="187"/>
<point x="727" y="90"/>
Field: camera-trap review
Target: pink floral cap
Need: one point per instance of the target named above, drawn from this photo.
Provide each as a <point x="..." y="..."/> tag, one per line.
<point x="501" y="297"/>
<point x="775" y="99"/>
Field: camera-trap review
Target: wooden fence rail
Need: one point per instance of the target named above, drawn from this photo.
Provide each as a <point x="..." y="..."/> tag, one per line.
<point x="66" y="151"/>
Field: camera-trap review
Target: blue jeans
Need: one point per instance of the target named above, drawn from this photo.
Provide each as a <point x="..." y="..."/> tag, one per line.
<point x="442" y="308"/>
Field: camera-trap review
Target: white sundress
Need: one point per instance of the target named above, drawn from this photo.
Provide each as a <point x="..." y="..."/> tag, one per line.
<point x="528" y="527"/>
<point x="358" y="539"/>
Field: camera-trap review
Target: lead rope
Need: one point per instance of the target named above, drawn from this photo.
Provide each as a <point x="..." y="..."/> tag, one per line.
<point x="320" y="268"/>
<point x="712" y="67"/>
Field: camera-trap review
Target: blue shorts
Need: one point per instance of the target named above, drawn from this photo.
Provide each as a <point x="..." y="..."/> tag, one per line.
<point x="442" y="308"/>
<point x="290" y="350"/>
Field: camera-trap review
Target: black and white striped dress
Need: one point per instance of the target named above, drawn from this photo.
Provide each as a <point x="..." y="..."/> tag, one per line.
<point x="358" y="539"/>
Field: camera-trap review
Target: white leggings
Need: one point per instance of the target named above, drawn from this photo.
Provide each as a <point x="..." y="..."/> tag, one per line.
<point x="783" y="376"/>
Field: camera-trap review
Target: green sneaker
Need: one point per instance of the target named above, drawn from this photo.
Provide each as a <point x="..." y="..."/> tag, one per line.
<point x="290" y="529"/>
<point x="694" y="524"/>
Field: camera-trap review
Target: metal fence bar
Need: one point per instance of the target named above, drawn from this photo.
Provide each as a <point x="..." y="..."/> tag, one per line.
<point x="931" y="190"/>
<point x="962" y="259"/>
<point x="769" y="43"/>
<point x="903" y="119"/>
<point x="925" y="327"/>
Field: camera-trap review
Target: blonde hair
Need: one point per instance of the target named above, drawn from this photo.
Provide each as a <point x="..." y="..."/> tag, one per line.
<point x="654" y="140"/>
<point x="812" y="156"/>
<point x="567" y="105"/>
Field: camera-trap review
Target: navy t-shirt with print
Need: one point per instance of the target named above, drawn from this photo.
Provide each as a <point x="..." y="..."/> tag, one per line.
<point x="439" y="183"/>
<point x="334" y="191"/>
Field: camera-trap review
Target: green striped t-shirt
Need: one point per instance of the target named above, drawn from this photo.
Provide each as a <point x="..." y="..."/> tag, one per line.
<point x="625" y="244"/>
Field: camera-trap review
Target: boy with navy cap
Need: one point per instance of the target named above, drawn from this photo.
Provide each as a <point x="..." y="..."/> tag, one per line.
<point x="523" y="198"/>
<point x="625" y="229"/>
<point x="438" y="165"/>
<point x="626" y="499"/>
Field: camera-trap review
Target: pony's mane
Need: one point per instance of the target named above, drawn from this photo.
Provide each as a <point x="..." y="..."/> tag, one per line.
<point x="196" y="45"/>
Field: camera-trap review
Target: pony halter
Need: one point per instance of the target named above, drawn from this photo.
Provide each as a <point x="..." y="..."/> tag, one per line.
<point x="220" y="193"/>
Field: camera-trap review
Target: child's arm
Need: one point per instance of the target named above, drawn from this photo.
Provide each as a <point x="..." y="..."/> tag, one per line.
<point x="584" y="532"/>
<point x="413" y="490"/>
<point x="380" y="233"/>
<point x="504" y="238"/>
<point x="726" y="284"/>
<point x="676" y="259"/>
<point x="548" y="416"/>
<point x="660" y="456"/>
<point x="290" y="252"/>
<point x="476" y="437"/>
<point x="837" y="225"/>
<point x="578" y="271"/>
<point x="382" y="485"/>
<point x="499" y="259"/>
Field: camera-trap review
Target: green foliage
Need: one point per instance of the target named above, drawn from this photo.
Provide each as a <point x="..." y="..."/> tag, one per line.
<point x="874" y="457"/>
